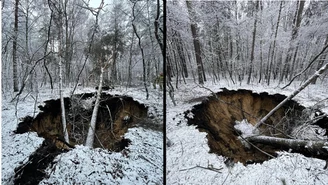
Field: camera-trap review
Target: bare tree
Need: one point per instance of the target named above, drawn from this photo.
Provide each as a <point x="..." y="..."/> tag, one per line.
<point x="92" y="129"/>
<point x="141" y="49"/>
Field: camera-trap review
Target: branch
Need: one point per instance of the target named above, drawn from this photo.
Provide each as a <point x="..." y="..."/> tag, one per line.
<point x="307" y="67"/>
<point x="206" y="168"/>
<point x="27" y="77"/>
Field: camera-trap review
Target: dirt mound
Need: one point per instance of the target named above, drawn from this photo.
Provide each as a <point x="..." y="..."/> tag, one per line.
<point x="217" y="116"/>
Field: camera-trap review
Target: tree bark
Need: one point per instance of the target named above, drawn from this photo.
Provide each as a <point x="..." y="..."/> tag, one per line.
<point x="62" y="103"/>
<point x="317" y="148"/>
<point x="270" y="66"/>
<point x="92" y="128"/>
<point x="60" y="53"/>
<point x="15" y="75"/>
<point x="253" y="46"/>
<point x="322" y="59"/>
<point x="193" y="27"/>
<point x="156" y="23"/>
<point x="296" y="26"/>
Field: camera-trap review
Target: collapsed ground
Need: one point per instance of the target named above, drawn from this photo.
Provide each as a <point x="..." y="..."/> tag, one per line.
<point x="127" y="135"/>
<point x="191" y="160"/>
<point x="217" y="116"/>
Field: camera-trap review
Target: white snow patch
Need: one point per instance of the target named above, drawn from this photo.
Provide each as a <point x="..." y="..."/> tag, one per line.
<point x="141" y="163"/>
<point x="246" y="129"/>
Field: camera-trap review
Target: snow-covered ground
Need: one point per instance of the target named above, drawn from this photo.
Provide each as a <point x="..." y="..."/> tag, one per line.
<point x="142" y="164"/>
<point x="188" y="150"/>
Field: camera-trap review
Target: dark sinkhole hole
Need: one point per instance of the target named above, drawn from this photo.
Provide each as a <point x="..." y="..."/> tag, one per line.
<point x="217" y="116"/>
<point x="115" y="115"/>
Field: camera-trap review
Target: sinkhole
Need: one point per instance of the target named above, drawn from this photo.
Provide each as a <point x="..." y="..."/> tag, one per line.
<point x="115" y="115"/>
<point x="218" y="114"/>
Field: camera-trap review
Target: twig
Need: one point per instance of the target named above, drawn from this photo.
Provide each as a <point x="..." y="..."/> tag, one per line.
<point x="144" y="158"/>
<point x="206" y="168"/>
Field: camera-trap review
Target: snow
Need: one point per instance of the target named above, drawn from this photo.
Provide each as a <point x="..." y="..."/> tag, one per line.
<point x="142" y="164"/>
<point x="246" y="128"/>
<point x="188" y="146"/>
<point x="16" y="148"/>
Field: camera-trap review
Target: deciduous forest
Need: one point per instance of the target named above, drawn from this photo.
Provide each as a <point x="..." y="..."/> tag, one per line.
<point x="245" y="41"/>
<point x="247" y="92"/>
<point x="82" y="98"/>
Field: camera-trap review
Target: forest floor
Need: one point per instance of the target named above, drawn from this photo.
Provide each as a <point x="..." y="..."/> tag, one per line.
<point x="188" y="157"/>
<point x="82" y="165"/>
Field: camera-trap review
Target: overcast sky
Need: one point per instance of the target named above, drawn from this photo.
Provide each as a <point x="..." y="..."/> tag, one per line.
<point x="95" y="3"/>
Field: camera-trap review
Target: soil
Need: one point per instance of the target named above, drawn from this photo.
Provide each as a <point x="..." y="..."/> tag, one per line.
<point x="217" y="115"/>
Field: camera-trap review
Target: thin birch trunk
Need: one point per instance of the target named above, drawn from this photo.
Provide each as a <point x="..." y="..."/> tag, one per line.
<point x="92" y="128"/>
<point x="62" y="104"/>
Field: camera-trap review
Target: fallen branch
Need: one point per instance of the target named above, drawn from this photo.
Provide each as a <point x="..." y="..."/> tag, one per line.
<point x="206" y="168"/>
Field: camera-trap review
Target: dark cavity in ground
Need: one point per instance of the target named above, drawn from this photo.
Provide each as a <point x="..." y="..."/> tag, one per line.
<point x="218" y="113"/>
<point x="115" y="115"/>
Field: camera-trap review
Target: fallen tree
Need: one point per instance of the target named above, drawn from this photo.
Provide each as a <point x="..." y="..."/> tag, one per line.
<point x="317" y="149"/>
<point x="312" y="78"/>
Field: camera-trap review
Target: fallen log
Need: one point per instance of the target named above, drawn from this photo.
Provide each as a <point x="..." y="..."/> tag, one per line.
<point x="318" y="149"/>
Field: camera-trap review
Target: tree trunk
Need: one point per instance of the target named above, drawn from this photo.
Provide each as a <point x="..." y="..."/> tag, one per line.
<point x="62" y="103"/>
<point x="270" y="66"/>
<point x="253" y="46"/>
<point x="60" y="55"/>
<point x="142" y="53"/>
<point x="46" y="50"/>
<point x="193" y="26"/>
<point x="156" y="23"/>
<point x="296" y="26"/>
<point x="313" y="77"/>
<point x="15" y="75"/>
<point x="92" y="128"/>
<point x="317" y="148"/>
<point x="130" y="62"/>
<point x="321" y="60"/>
